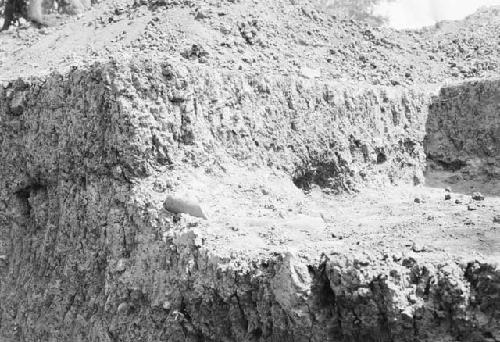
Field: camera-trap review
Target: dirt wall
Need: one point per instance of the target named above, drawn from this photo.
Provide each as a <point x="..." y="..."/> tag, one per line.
<point x="89" y="253"/>
<point x="337" y="135"/>
<point x="464" y="128"/>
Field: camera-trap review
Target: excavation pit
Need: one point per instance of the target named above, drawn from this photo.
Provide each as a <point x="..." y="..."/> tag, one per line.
<point x="98" y="257"/>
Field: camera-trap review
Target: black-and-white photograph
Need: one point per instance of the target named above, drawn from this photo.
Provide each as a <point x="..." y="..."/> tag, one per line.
<point x="249" y="170"/>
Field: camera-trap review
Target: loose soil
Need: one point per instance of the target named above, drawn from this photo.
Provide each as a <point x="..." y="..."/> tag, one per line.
<point x="335" y="164"/>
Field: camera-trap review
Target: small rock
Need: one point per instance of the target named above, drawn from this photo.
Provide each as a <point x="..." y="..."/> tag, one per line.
<point x="117" y="171"/>
<point x="397" y="256"/>
<point x="335" y="236"/>
<point x="477" y="196"/>
<point x="468" y="222"/>
<point x="447" y="197"/>
<point x="121" y="265"/>
<point x="195" y="52"/>
<point x="269" y="206"/>
<point x="417" y="247"/>
<point x="225" y="29"/>
<point x="457" y="201"/>
<point x="447" y="189"/>
<point x="412" y="298"/>
<point x="202" y="14"/>
<point x="167" y="305"/>
<point x="408" y="313"/>
<point x="179" y="205"/>
<point x="122" y="308"/>
<point x="361" y="260"/>
<point x="417" y="200"/>
<point x="496" y="219"/>
<point x="471" y="207"/>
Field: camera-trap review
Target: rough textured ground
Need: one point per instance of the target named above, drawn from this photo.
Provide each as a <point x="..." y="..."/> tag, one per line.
<point x="319" y="151"/>
<point x="258" y="36"/>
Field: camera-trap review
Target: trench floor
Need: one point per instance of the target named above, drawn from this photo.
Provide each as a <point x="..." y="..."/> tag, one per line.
<point x="254" y="213"/>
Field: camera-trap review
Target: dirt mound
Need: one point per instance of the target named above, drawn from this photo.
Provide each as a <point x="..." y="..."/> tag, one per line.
<point x="248" y="171"/>
<point x="253" y="37"/>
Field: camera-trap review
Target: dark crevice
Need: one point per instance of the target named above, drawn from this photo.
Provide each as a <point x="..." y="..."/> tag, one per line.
<point x="325" y="174"/>
<point x="381" y="156"/>
<point x="453" y="166"/>
<point x="322" y="290"/>
<point x="242" y="312"/>
<point x="24" y="194"/>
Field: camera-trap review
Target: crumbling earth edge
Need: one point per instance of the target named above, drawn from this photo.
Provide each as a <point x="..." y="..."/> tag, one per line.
<point x="88" y="252"/>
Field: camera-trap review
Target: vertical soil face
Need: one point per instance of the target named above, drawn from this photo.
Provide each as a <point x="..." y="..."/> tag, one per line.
<point x="89" y="253"/>
<point x="56" y="196"/>
<point x="463" y="128"/>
